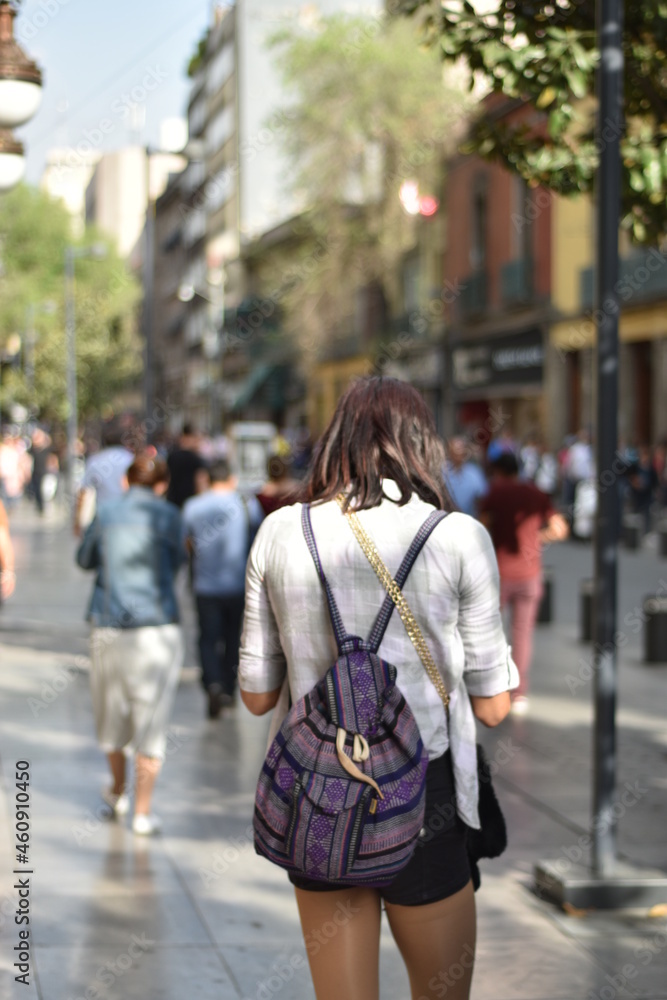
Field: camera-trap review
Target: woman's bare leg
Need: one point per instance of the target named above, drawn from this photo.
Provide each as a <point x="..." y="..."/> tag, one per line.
<point x="147" y="770"/>
<point x="437" y="942"/>
<point x="341" y="930"/>
<point x="117" y="764"/>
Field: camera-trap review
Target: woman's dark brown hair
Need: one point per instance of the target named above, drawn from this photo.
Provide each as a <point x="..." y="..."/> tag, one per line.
<point x="147" y="471"/>
<point x="382" y="429"/>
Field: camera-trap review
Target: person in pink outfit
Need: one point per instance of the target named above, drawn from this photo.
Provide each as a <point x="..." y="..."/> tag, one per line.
<point x="520" y="519"/>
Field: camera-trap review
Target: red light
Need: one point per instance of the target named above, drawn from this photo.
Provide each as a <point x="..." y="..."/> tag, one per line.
<point x="428" y="205"/>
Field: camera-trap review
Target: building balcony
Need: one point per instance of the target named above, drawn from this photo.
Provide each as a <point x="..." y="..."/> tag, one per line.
<point x="516" y="282"/>
<point x="642" y="277"/>
<point x="474" y="294"/>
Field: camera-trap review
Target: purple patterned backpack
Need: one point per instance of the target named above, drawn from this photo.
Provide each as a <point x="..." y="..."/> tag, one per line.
<point x="341" y="795"/>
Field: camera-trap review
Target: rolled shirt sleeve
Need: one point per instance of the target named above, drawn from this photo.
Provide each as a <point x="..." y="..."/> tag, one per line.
<point x="262" y="664"/>
<point x="489" y="667"/>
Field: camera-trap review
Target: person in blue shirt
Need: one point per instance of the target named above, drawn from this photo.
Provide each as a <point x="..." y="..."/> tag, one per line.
<point x="218" y="529"/>
<point x="465" y="480"/>
<point x="134" y="547"/>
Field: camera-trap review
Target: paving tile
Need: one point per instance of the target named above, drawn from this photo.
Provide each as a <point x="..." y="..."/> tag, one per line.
<point x="160" y="974"/>
<point x="94" y="891"/>
<point x="543" y="966"/>
<point x="94" y="919"/>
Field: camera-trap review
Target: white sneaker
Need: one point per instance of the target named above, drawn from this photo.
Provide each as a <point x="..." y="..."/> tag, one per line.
<point x="146" y="826"/>
<point x="119" y="804"/>
<point x="519" y="706"/>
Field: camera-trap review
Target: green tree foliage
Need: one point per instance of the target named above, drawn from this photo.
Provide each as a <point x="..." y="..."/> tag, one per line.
<point x="368" y="110"/>
<point x="34" y="231"/>
<point x="545" y="53"/>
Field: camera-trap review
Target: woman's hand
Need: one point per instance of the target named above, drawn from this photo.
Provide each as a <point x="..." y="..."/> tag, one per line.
<point x="260" y="704"/>
<point x="7" y="583"/>
<point x="557" y="530"/>
<point x="491" y="711"/>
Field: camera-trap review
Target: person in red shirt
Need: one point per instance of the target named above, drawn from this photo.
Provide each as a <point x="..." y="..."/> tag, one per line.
<point x="520" y="519"/>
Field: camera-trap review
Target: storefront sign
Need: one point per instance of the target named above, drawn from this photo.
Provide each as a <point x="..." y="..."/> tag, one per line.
<point x="516" y="359"/>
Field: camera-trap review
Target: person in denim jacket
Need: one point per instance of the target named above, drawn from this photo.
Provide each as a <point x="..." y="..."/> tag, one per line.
<point x="134" y="545"/>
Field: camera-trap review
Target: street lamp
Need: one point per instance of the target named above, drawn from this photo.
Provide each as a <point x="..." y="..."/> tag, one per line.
<point x="95" y="252"/>
<point x="20" y="97"/>
<point x="12" y="160"/>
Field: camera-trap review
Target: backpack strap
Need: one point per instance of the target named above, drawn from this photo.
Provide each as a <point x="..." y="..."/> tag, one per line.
<point x="387" y="609"/>
<point x="334" y="613"/>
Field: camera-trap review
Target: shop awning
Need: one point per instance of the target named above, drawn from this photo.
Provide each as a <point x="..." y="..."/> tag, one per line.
<point x="252" y="385"/>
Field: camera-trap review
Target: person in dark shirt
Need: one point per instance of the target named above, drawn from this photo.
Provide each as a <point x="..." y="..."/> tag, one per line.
<point x="643" y="483"/>
<point x="40" y="452"/>
<point x="520" y="519"/>
<point x="280" y="489"/>
<point x="184" y="464"/>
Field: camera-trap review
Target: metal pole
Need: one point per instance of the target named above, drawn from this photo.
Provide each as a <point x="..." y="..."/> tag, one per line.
<point x="149" y="303"/>
<point x="610" y="125"/>
<point x="448" y="406"/>
<point x="70" y="360"/>
<point x="29" y="355"/>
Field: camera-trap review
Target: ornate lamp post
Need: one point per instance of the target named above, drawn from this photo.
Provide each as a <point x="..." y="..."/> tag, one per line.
<point x="20" y="97"/>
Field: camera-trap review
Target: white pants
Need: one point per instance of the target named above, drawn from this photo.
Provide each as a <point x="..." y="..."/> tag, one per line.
<point x="133" y="678"/>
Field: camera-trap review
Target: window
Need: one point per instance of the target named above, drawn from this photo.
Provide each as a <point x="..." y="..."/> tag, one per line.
<point x="220" y="69"/>
<point x="480" y="222"/>
<point x="220" y="129"/>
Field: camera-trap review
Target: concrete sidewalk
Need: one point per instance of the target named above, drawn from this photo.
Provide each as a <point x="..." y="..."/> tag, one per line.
<point x="195" y="914"/>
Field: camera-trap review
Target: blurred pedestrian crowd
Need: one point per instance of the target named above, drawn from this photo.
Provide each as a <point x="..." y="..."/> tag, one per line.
<point x="142" y="510"/>
<point x="569" y="476"/>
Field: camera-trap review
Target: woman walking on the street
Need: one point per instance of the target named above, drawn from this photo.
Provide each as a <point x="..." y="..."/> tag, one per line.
<point x="521" y="519"/>
<point x="134" y="544"/>
<point x="381" y="451"/>
<point x="7" y="574"/>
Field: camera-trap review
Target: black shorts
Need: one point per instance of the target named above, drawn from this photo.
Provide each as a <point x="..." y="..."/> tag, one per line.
<point x="439" y="867"/>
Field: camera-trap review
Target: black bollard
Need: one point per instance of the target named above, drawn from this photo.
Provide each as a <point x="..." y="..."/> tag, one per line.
<point x="586" y="593"/>
<point x="546" y="612"/>
<point x="633" y="525"/>
<point x="662" y="531"/>
<point x="655" y="629"/>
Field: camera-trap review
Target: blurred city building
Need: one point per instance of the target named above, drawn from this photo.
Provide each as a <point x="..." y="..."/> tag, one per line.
<point x="171" y="370"/>
<point x="233" y="193"/>
<point x="489" y="314"/>
<point x="122" y="185"/>
<point x="398" y="332"/>
<point x="642" y="290"/>
<point x="497" y="291"/>
<point x="66" y="177"/>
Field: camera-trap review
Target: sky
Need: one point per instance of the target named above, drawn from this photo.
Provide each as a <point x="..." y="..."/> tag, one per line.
<point x="100" y="56"/>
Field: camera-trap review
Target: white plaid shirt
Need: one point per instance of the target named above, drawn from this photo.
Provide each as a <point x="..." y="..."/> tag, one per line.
<point x="452" y="590"/>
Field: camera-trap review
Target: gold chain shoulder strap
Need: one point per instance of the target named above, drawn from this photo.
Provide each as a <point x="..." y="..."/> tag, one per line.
<point x="386" y="579"/>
